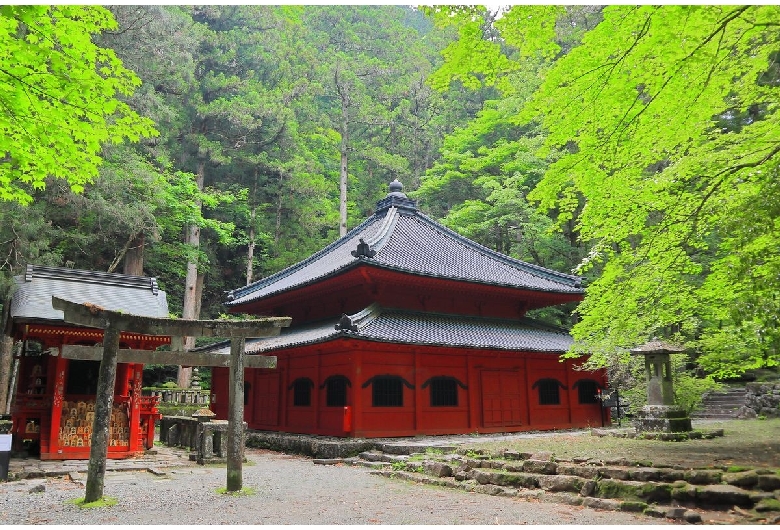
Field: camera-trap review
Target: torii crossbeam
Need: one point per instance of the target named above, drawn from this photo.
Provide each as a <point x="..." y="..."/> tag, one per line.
<point x="113" y="323"/>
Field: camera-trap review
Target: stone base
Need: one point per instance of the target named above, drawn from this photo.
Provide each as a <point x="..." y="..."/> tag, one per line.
<point x="662" y="418"/>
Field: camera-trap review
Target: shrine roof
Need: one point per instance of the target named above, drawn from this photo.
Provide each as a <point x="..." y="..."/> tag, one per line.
<point x="400" y="238"/>
<point x="379" y="324"/>
<point x="137" y="295"/>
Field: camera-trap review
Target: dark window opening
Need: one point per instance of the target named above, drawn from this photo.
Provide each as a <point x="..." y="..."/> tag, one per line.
<point x="302" y="392"/>
<point x="388" y="392"/>
<point x="444" y="392"/>
<point x="82" y="377"/>
<point x="588" y="391"/>
<point x="549" y="392"/>
<point x="336" y="391"/>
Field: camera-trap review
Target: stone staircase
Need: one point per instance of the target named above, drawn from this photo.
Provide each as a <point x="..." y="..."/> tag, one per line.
<point x="721" y="405"/>
<point x="676" y="493"/>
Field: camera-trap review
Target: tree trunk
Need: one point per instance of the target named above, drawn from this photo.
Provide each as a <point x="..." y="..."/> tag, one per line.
<point x="191" y="305"/>
<point x="6" y="360"/>
<point x="134" y="257"/>
<point x="250" y="253"/>
<point x="344" y="94"/>
<point x="278" y="229"/>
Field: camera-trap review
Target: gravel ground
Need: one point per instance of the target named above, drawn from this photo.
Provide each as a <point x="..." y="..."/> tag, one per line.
<point x="289" y="490"/>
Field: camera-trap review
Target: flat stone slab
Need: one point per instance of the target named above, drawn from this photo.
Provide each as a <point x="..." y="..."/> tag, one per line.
<point x="723" y="494"/>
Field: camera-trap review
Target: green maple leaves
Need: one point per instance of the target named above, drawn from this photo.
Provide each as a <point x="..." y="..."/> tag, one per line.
<point x="59" y="97"/>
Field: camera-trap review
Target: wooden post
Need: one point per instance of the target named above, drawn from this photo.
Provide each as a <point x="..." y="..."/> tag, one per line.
<point x="104" y="400"/>
<point x="235" y="433"/>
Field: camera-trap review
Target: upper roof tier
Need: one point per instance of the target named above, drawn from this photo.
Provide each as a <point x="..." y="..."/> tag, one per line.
<point x="400" y="238"/>
<point x="137" y="295"/>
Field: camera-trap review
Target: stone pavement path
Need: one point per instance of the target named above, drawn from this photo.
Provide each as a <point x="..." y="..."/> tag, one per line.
<point x="288" y="490"/>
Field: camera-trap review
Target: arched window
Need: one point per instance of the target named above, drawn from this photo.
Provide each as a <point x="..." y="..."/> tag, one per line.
<point x="302" y="392"/>
<point x="388" y="391"/>
<point x="444" y="390"/>
<point x="336" y="390"/>
<point x="549" y="391"/>
<point x="588" y="391"/>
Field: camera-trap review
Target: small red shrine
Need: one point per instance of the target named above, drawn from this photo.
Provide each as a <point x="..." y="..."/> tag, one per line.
<point x="54" y="402"/>
<point x="404" y="327"/>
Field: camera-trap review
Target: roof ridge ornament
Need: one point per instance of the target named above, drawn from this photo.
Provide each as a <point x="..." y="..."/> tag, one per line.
<point x="363" y="250"/>
<point x="396" y="197"/>
<point x="345" y="324"/>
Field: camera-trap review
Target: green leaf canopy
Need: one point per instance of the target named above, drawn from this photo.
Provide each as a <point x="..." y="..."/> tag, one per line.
<point x="59" y="97"/>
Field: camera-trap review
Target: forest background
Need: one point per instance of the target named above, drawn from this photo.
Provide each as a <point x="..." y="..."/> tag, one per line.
<point x="210" y="146"/>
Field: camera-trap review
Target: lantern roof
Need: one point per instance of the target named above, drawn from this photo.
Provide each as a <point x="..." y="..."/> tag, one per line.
<point x="656" y="346"/>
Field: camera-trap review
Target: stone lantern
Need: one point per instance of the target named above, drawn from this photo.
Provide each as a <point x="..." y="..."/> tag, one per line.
<point x="660" y="414"/>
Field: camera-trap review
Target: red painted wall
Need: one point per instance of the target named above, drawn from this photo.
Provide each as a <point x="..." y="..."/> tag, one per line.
<point x="498" y="396"/>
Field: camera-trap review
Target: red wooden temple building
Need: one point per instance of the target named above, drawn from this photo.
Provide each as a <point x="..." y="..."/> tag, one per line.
<point x="404" y="327"/>
<point x="54" y="400"/>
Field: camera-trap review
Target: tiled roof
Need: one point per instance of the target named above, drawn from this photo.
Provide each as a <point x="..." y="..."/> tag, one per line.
<point x="137" y="295"/>
<point x="409" y="327"/>
<point x="399" y="237"/>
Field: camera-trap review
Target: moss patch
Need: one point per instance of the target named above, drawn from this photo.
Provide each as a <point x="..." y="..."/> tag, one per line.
<point x="244" y="492"/>
<point x="768" y="505"/>
<point x="100" y="503"/>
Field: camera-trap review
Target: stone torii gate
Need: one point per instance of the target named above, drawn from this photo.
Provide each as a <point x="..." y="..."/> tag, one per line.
<point x="113" y="323"/>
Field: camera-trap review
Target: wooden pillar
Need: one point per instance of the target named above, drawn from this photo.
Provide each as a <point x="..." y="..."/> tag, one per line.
<point x="357" y="394"/>
<point x="134" y="421"/>
<point x="567" y="365"/>
<point x="235" y="433"/>
<point x="471" y="394"/>
<point x="416" y="393"/>
<point x="316" y="391"/>
<point x="529" y="394"/>
<point x="104" y="400"/>
<point x="58" y="393"/>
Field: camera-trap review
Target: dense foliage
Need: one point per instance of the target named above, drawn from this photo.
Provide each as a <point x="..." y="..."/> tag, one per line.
<point x="636" y="145"/>
<point x="661" y="136"/>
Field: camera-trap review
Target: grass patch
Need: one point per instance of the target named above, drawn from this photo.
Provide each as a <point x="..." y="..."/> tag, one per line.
<point x="100" y="503"/>
<point x="747" y="444"/>
<point x="245" y="492"/>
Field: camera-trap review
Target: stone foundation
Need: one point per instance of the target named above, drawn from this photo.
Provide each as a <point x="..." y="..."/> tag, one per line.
<point x="662" y="418"/>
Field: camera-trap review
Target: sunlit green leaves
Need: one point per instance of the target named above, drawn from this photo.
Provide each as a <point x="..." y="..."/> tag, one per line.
<point x="640" y="107"/>
<point x="59" y="97"/>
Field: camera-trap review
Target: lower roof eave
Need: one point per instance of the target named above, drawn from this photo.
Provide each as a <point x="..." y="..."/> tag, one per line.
<point x="344" y="335"/>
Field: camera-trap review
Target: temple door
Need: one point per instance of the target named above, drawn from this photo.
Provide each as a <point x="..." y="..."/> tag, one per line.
<point x="502" y="402"/>
<point x="265" y="400"/>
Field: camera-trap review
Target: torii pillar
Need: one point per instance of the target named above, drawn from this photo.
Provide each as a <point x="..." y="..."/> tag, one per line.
<point x="113" y="323"/>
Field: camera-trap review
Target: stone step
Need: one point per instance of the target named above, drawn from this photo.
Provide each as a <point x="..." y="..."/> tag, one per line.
<point x="379" y="456"/>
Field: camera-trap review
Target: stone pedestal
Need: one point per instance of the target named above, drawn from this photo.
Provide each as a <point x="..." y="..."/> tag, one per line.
<point x="662" y="418"/>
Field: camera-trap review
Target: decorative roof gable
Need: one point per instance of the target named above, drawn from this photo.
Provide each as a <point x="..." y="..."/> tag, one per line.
<point x="137" y="295"/>
<point x="399" y="237"/>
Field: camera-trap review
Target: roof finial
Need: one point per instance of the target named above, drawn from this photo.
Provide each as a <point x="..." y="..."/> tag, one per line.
<point x="396" y="197"/>
<point x="396" y="186"/>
